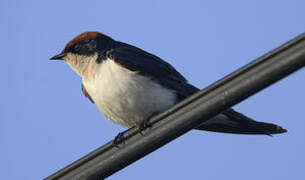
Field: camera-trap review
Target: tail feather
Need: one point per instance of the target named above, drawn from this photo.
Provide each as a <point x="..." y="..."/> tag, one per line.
<point x="231" y="121"/>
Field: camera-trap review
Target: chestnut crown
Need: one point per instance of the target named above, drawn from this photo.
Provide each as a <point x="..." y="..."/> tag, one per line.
<point x="86" y="43"/>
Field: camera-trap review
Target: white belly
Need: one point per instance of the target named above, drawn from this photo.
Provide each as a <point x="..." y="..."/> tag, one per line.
<point x="126" y="97"/>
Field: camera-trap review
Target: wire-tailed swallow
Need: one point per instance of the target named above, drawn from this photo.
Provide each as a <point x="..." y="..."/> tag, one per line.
<point x="129" y="85"/>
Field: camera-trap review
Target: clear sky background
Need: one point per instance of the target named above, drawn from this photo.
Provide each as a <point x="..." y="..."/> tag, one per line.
<point x="46" y="123"/>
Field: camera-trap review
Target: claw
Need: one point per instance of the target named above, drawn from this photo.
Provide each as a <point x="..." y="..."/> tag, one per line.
<point x="145" y="124"/>
<point x="119" y="139"/>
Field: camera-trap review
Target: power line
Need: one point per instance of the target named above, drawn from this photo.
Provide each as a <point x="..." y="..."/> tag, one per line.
<point x="188" y="114"/>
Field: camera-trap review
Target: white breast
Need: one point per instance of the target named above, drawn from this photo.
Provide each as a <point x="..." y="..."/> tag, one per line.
<point x="126" y="97"/>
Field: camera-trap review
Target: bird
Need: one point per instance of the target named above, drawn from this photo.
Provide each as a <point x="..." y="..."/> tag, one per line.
<point x="129" y="85"/>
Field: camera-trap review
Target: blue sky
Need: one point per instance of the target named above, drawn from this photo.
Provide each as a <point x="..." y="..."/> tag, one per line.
<point x="46" y="123"/>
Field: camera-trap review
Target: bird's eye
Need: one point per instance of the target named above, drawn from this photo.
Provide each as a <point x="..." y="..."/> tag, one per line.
<point x="76" y="47"/>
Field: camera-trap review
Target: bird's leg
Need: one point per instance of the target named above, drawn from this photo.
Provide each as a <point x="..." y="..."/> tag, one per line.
<point x="119" y="138"/>
<point x="122" y="136"/>
<point x="146" y="123"/>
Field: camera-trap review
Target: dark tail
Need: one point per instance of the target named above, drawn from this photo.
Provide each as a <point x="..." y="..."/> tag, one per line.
<point x="231" y="121"/>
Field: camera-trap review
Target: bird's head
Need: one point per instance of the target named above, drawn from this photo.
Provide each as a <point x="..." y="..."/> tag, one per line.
<point x="83" y="49"/>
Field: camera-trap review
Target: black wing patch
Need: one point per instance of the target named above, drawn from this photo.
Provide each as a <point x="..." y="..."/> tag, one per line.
<point x="86" y="93"/>
<point x="152" y="66"/>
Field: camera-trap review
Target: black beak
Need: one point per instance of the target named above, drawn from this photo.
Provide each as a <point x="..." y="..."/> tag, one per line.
<point x="59" y="56"/>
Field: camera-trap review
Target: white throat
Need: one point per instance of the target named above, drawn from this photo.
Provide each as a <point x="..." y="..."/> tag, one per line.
<point x="81" y="64"/>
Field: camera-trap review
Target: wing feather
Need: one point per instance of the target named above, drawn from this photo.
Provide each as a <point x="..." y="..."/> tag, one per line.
<point x="153" y="67"/>
<point x="86" y="93"/>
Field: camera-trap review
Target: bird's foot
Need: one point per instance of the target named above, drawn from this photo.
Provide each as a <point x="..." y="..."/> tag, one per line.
<point x="147" y="122"/>
<point x="119" y="139"/>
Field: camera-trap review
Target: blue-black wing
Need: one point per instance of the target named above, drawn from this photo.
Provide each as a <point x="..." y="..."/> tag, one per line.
<point x="153" y="67"/>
